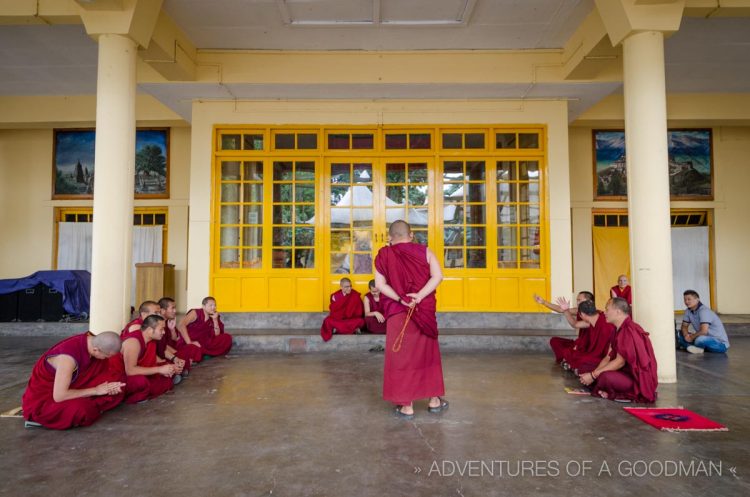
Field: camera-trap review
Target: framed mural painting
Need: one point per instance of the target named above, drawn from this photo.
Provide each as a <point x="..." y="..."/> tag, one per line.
<point x="73" y="163"/>
<point x="690" y="164"/>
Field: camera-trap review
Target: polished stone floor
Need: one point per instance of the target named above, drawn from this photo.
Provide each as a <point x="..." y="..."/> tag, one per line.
<point x="314" y="424"/>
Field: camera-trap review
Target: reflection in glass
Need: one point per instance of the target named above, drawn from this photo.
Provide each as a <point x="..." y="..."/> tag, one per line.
<point x="284" y="141"/>
<point x="506" y="214"/>
<point x="230" y="170"/>
<point x="420" y="236"/>
<point x="506" y="170"/>
<point x="282" y="192"/>
<point x="304" y="192"/>
<point x="528" y="192"/>
<point x="475" y="214"/>
<point x="528" y="140"/>
<point x="453" y="192"/>
<point x="530" y="235"/>
<point x="417" y="173"/>
<point x="417" y="217"/>
<point x="394" y="214"/>
<point x="305" y="171"/>
<point x="253" y="214"/>
<point x="453" y="171"/>
<point x="307" y="141"/>
<point x="340" y="241"/>
<point x="476" y="192"/>
<point x="230" y="142"/>
<point x="339" y="197"/>
<point x="420" y="141"/>
<point x="505" y="140"/>
<point x="282" y="214"/>
<point x="230" y="258"/>
<point x="506" y="236"/>
<point x="362" y="264"/>
<point x="340" y="173"/>
<point x="304" y="258"/>
<point x="304" y="237"/>
<point x="363" y="173"/>
<point x="477" y="258"/>
<point x="454" y="258"/>
<point x="506" y="192"/>
<point x="418" y="195"/>
<point x="281" y="258"/>
<point x="252" y="258"/>
<point x="530" y="255"/>
<point x="252" y="192"/>
<point x="253" y="171"/>
<point x="507" y="255"/>
<point x="395" y="173"/>
<point x="230" y="214"/>
<point x="362" y="240"/>
<point x="528" y="170"/>
<point x="282" y="171"/>
<point x="340" y="263"/>
<point x="453" y="214"/>
<point x="230" y="237"/>
<point x="475" y="171"/>
<point x="252" y="236"/>
<point x="529" y="214"/>
<point x="452" y="140"/>
<point x="304" y="214"/>
<point x="475" y="236"/>
<point x="474" y="140"/>
<point x="230" y="192"/>
<point x="282" y="237"/>
<point x="252" y="142"/>
<point x="396" y="194"/>
<point x="453" y="236"/>
<point x="341" y="217"/>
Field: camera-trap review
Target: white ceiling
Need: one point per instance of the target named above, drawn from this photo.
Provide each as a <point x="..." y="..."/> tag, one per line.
<point x="706" y="55"/>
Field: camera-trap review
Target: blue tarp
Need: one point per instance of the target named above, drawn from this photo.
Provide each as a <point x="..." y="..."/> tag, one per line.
<point x="75" y="287"/>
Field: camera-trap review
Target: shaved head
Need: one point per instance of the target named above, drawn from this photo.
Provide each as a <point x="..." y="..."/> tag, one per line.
<point x="399" y="230"/>
<point x="108" y="342"/>
<point x="148" y="307"/>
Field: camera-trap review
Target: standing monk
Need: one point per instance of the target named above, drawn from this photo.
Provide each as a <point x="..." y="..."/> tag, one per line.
<point x="172" y="346"/>
<point x="374" y="318"/>
<point x="407" y="275"/>
<point x="622" y="290"/>
<point x="628" y="372"/>
<point x="204" y="328"/>
<point x="72" y="384"/>
<point x="346" y="312"/>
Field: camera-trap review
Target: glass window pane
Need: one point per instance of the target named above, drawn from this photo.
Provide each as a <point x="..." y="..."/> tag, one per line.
<point x="475" y="236"/>
<point x="453" y="236"/>
<point x="230" y="192"/>
<point x="230" y="171"/>
<point x="420" y="236"/>
<point x="395" y="173"/>
<point x="304" y="258"/>
<point x="528" y="192"/>
<point x="505" y="140"/>
<point x="476" y="192"/>
<point x="392" y="215"/>
<point x="477" y="258"/>
<point x="137" y="219"/>
<point x="396" y="194"/>
<point x="528" y="170"/>
<point x="229" y="236"/>
<point x="417" y="173"/>
<point x="341" y="217"/>
<point x="252" y="237"/>
<point x="340" y="173"/>
<point x="304" y="214"/>
<point x="340" y="263"/>
<point x="454" y="258"/>
<point x="252" y="192"/>
<point x="506" y="258"/>
<point x="362" y="264"/>
<point x="161" y="219"/>
<point x="530" y="254"/>
<point x="599" y="220"/>
<point x="530" y="236"/>
<point x="282" y="214"/>
<point x="528" y="140"/>
<point x="506" y="170"/>
<point x="70" y="218"/>
<point x="395" y="141"/>
<point x="282" y="192"/>
<point x="340" y="241"/>
<point x="453" y="171"/>
<point x="418" y="217"/>
<point x="307" y="141"/>
<point x="338" y="141"/>
<point x="253" y="142"/>
<point x="229" y="258"/>
<point x="363" y="141"/>
<point x="528" y="214"/>
<point x="281" y="258"/>
<point x="453" y="214"/>
<point x="475" y="214"/>
<point x="282" y="237"/>
<point x="363" y="173"/>
<point x="253" y="171"/>
<point x="304" y="192"/>
<point x="284" y="141"/>
<point x="475" y="170"/>
<point x="420" y="141"/>
<point x="474" y="140"/>
<point x="305" y="171"/>
<point x="304" y="237"/>
<point x="506" y="236"/>
<point x="282" y="171"/>
<point x="452" y="140"/>
<point x="453" y="192"/>
<point x="506" y="192"/>
<point x="362" y="240"/>
<point x="252" y="258"/>
<point x="506" y="214"/>
<point x="230" y="214"/>
<point x="339" y="196"/>
<point x="418" y="195"/>
<point x="230" y="142"/>
<point x="253" y="214"/>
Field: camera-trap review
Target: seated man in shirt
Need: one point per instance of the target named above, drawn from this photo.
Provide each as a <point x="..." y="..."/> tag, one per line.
<point x="708" y="331"/>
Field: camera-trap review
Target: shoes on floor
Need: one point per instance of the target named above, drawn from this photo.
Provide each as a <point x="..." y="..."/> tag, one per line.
<point x="443" y="406"/>
<point x="32" y="424"/>
<point x="377" y="348"/>
<point x="695" y="350"/>
<point x="397" y="412"/>
<point x="176" y="379"/>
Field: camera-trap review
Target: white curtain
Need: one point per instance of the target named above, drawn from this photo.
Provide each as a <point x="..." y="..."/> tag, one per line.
<point x="74" y="246"/>
<point x="690" y="263"/>
<point x="147" y="247"/>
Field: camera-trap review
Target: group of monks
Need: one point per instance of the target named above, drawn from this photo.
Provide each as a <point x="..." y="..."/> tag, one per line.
<point x="83" y="376"/>
<point x="350" y="314"/>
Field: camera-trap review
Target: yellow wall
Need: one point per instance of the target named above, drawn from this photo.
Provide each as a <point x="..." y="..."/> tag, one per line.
<point x="729" y="116"/>
<point x="26" y="208"/>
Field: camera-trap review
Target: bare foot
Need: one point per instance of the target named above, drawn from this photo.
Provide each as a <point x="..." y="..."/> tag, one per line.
<point x="434" y="402"/>
<point x="408" y="410"/>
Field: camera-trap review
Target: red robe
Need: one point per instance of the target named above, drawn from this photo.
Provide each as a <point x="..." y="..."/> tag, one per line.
<point x="373" y="326"/>
<point x="185" y="351"/>
<point x="38" y="404"/>
<point x="202" y="331"/>
<point x="623" y="293"/>
<point x="561" y="347"/>
<point x="415" y="371"/>
<point x="591" y="346"/>
<point x="142" y="387"/>
<point x="637" y="379"/>
<point x="346" y="315"/>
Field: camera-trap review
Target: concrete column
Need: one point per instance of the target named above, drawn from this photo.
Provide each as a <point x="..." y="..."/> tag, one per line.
<point x="114" y="171"/>
<point x="648" y="193"/>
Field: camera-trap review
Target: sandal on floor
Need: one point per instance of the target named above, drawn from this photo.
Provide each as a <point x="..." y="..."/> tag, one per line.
<point x="399" y="414"/>
<point x="443" y="405"/>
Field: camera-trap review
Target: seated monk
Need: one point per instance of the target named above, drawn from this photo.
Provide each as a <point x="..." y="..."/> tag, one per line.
<point x="146" y="309"/>
<point x="171" y="346"/>
<point x="346" y="313"/>
<point x="593" y="342"/>
<point x="72" y="383"/>
<point x="374" y="319"/>
<point x="204" y="329"/>
<point x="628" y="371"/>
<point x="562" y="346"/>
<point x="147" y="375"/>
<point x="622" y="290"/>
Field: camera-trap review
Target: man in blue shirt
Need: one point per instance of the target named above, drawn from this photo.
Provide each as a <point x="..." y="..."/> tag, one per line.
<point x="709" y="334"/>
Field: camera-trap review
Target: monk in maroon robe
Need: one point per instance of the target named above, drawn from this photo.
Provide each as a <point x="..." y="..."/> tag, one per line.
<point x="172" y="346"/>
<point x="72" y="383"/>
<point x="346" y="311"/>
<point x="628" y="372"/>
<point x="374" y="317"/>
<point x="205" y="329"/>
<point x="407" y="275"/>
<point x="563" y="346"/>
<point x="146" y="375"/>
<point x="593" y="342"/>
<point x="622" y="290"/>
<point x="146" y="309"/>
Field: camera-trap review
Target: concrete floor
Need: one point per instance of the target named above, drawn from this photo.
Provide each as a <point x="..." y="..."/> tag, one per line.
<point x="314" y="424"/>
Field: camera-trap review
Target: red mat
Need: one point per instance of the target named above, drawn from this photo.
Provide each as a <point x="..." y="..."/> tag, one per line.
<point x="674" y="419"/>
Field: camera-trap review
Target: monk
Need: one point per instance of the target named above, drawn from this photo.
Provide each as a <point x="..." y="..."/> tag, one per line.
<point x="205" y="329"/>
<point x="147" y="376"/>
<point x="346" y="313"/>
<point x="593" y="342"/>
<point x="628" y="372"/>
<point x="374" y="318"/>
<point x="562" y="346"/>
<point x="72" y="383"/>
<point x="146" y="309"/>
<point x="171" y="346"/>
<point x="622" y="290"/>
<point x="407" y="275"/>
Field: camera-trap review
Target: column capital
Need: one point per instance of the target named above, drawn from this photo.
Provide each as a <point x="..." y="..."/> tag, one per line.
<point x="623" y="18"/>
<point x="135" y="19"/>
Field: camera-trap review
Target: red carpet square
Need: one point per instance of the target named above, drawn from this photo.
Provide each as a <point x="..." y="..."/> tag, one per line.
<point x="674" y="419"/>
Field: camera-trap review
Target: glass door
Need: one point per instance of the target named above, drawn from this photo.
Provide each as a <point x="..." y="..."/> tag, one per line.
<point x="407" y="195"/>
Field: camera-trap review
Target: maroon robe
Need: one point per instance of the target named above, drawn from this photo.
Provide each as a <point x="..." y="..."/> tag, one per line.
<point x="137" y="321"/>
<point x="637" y="379"/>
<point x="372" y="323"/>
<point x="346" y="314"/>
<point x="38" y="403"/>
<point x="185" y="351"/>
<point x="591" y="346"/>
<point x="415" y="371"/>
<point x="142" y="387"/>
<point x="202" y="331"/>
<point x="623" y="293"/>
<point x="561" y="347"/>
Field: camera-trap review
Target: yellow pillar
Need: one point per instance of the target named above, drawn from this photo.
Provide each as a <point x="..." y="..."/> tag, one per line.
<point x="114" y="171"/>
<point x="648" y="193"/>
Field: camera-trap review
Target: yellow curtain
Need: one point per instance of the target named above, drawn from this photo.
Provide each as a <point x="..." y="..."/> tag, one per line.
<point x="611" y="259"/>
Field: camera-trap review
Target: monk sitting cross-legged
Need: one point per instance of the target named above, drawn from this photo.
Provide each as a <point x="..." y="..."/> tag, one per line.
<point x="146" y="309"/>
<point x="374" y="318"/>
<point x="172" y="346"/>
<point x="204" y="328"/>
<point x="346" y="311"/>
<point x="592" y="343"/>
<point x="622" y="289"/>
<point x="72" y="383"/>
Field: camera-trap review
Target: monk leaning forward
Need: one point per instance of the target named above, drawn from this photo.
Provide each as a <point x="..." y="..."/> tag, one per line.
<point x="346" y="311"/>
